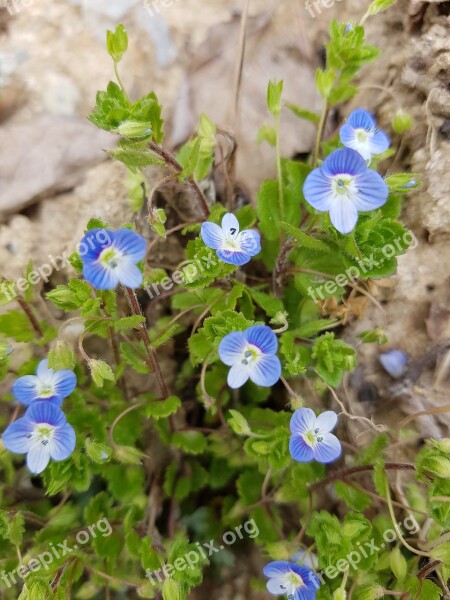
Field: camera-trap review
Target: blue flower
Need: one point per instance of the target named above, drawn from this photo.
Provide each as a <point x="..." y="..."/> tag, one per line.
<point x="42" y="433"/>
<point x="232" y="246"/>
<point x="106" y="265"/>
<point x="361" y="134"/>
<point x="344" y="185"/>
<point x="394" y="362"/>
<point x="251" y="354"/>
<point x="294" y="581"/>
<point x="47" y="384"/>
<point x="311" y="438"/>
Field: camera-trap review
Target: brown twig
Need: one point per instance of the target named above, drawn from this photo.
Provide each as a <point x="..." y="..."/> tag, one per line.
<point x="342" y="474"/>
<point x="29" y="314"/>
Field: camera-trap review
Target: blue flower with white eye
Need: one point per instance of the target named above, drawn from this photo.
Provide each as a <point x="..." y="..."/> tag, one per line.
<point x="42" y="433"/>
<point x="107" y="265"/>
<point x="311" y="438"/>
<point x="394" y="362"/>
<point x="296" y="582"/>
<point x="251" y="354"/>
<point x="343" y="186"/>
<point x="231" y="245"/>
<point x="47" y="384"/>
<point x="360" y="133"/>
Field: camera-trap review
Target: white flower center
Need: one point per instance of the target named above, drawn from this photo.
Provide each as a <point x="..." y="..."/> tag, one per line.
<point x="110" y="257"/>
<point x="250" y="355"/>
<point x="313" y="437"/>
<point x="42" y="434"/>
<point x="363" y="135"/>
<point x="295" y="580"/>
<point x="231" y="240"/>
<point x="344" y="185"/>
<point x="46" y="390"/>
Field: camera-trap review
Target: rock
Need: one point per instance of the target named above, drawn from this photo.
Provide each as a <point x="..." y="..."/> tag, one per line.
<point x="44" y="157"/>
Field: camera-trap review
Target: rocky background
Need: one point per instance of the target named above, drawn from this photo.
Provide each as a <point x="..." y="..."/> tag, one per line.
<point x="55" y="174"/>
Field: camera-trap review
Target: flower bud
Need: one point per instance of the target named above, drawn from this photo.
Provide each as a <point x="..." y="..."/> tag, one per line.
<point x="394" y="362"/>
<point x="133" y="129"/>
<point x="402" y="122"/>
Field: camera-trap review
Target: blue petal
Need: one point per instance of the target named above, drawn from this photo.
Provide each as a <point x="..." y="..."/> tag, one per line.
<point x="250" y="242"/>
<point x="347" y="135"/>
<point x="302" y="420"/>
<point x="230" y="225"/>
<point x="24" y="389"/>
<point x="130" y="243"/>
<point x="14" y="437"/>
<point x="317" y="190"/>
<point x="99" y="276"/>
<point x="38" y="457"/>
<point x="62" y="443"/>
<point x="343" y="214"/>
<point x="237" y="376"/>
<point x="231" y="347"/>
<point x="328" y="450"/>
<point x="277" y="568"/>
<point x="46" y="412"/>
<point x="306" y="594"/>
<point x="344" y="161"/>
<point x="65" y="382"/>
<point x="372" y="191"/>
<point x="263" y="338"/>
<point x="93" y="243"/>
<point x="394" y="362"/>
<point x="361" y="119"/>
<point x="379" y="143"/>
<point x="279" y="586"/>
<point x="309" y="578"/>
<point x="265" y="371"/>
<point x="43" y="370"/>
<point x="212" y="235"/>
<point x="299" y="449"/>
<point x="129" y="274"/>
<point x="326" y="422"/>
<point x="233" y="258"/>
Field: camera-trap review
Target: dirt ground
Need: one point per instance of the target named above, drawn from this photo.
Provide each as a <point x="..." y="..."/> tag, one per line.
<point x="53" y="60"/>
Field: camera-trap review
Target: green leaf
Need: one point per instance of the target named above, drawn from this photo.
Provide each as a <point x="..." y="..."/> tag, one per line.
<point x="135" y="158"/>
<point x="131" y="322"/>
<point x="100" y="371"/>
<point x="302" y="113"/>
<point x="192" y="442"/>
<point x="71" y="296"/>
<point x="398" y="564"/>
<point x="14" y="324"/>
<point x="268" y="210"/>
<point x="162" y="408"/>
<point x="117" y="43"/>
<point x="274" y="91"/>
<point x="239" y="423"/>
<point x="303" y="240"/>
<point x="324" y="82"/>
<point x="267" y="133"/>
<point x="355" y="499"/>
<point x="378" y="6"/>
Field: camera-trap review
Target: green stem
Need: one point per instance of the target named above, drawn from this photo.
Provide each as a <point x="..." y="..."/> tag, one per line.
<point x="279" y="171"/>
<point x="120" y="82"/>
<point x="320" y="129"/>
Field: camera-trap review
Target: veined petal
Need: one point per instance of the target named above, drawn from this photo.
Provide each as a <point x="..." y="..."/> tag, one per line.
<point x="350" y="140"/>
<point x="317" y="190"/>
<point x="130" y="243"/>
<point x="328" y="450"/>
<point x="361" y="119"/>
<point x="305" y="593"/>
<point x="38" y="457"/>
<point x="231" y="348"/>
<point x="43" y="372"/>
<point x="65" y="382"/>
<point x="233" y="258"/>
<point x="277" y="568"/>
<point x="15" y="436"/>
<point x="230" y="225"/>
<point x="263" y="338"/>
<point x="212" y="235"/>
<point x="302" y="420"/>
<point x="379" y="142"/>
<point x="237" y="375"/>
<point x="250" y="242"/>
<point x="265" y="371"/>
<point x="99" y="276"/>
<point x="343" y="214"/>
<point x="62" y="443"/>
<point x="46" y="412"/>
<point x="92" y="244"/>
<point x="309" y="578"/>
<point x="278" y="586"/>
<point x="326" y="422"/>
<point x="25" y="389"/>
<point x="344" y="161"/>
<point x="129" y="274"/>
<point x="299" y="449"/>
<point x="372" y="191"/>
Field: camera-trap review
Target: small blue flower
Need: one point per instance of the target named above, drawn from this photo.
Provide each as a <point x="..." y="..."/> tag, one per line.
<point x="361" y="134"/>
<point x="232" y="246"/>
<point x="311" y="438"/>
<point x="105" y="266"/>
<point x="294" y="581"/>
<point x="344" y="185"/>
<point x="251" y="354"/>
<point x="394" y="362"/>
<point x="42" y="433"/>
<point x="47" y="384"/>
<point x="349" y="27"/>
